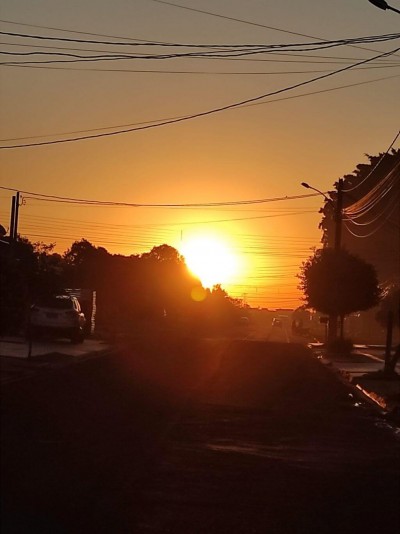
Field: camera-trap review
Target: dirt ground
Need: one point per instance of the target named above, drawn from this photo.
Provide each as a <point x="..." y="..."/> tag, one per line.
<point x="194" y="436"/>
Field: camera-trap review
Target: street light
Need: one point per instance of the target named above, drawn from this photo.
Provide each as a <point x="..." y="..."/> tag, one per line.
<point x="383" y="5"/>
<point x="308" y="186"/>
<point x="332" y="323"/>
<point x="338" y="209"/>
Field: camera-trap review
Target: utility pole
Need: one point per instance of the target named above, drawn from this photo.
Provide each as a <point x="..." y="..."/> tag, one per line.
<point x="12" y="218"/>
<point x="16" y="215"/>
<point x="338" y="215"/>
<point x="333" y="319"/>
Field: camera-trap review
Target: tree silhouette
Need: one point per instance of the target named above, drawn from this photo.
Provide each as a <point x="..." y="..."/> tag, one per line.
<point x="338" y="283"/>
<point x="155" y="286"/>
<point x="380" y="223"/>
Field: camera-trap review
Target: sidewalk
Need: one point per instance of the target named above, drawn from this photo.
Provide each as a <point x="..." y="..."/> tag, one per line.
<point x="18" y="361"/>
<point x="362" y="370"/>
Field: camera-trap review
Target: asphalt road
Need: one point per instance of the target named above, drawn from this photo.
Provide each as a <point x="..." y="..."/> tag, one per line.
<point x="185" y="436"/>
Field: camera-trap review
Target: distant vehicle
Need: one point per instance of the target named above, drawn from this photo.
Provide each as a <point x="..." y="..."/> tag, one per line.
<point x="277" y="323"/>
<point x="58" y="315"/>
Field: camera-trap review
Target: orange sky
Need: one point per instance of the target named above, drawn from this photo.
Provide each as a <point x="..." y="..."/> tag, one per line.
<point x="261" y="151"/>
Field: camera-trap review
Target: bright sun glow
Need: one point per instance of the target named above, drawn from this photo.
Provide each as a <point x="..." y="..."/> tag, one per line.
<point x="210" y="259"/>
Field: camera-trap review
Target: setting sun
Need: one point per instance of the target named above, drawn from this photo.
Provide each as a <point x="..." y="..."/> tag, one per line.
<point x="210" y="259"/>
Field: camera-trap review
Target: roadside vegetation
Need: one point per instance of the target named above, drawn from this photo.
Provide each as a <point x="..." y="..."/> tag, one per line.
<point x="153" y="289"/>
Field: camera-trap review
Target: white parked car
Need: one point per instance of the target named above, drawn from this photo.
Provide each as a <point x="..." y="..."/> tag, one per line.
<point x="59" y="315"/>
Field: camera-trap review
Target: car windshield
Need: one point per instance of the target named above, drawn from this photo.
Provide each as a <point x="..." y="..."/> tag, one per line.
<point x="59" y="303"/>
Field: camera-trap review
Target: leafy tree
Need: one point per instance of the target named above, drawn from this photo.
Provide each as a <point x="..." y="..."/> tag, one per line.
<point x="49" y="269"/>
<point x="338" y="283"/>
<point x="156" y="285"/>
<point x="169" y="282"/>
<point x="17" y="271"/>
<point x="27" y="270"/>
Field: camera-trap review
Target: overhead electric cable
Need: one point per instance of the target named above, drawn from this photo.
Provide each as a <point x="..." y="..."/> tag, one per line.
<point x="208" y="112"/>
<point x="216" y="49"/>
<point x="375" y="166"/>
<point x="56" y="28"/>
<point x="185" y="45"/>
<point x="337" y="59"/>
<point x="370" y="199"/>
<point x="135" y="43"/>
<point x="394" y="201"/>
<point x="244" y="106"/>
<point x="154" y="205"/>
<point x="246" y="21"/>
<point x="396" y="207"/>
<point x="196" y="72"/>
<point x="238" y="53"/>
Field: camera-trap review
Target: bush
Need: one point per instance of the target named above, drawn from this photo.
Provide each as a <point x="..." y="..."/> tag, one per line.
<point x="340" y="346"/>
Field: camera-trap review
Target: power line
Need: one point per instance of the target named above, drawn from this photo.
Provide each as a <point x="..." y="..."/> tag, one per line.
<point x="375" y="166"/>
<point x="13" y="22"/>
<point x="243" y="21"/>
<point x="182" y="7"/>
<point x="320" y="42"/>
<point x="221" y="51"/>
<point x="153" y="205"/>
<point x="258" y="239"/>
<point x="204" y="113"/>
<point x="247" y="22"/>
<point x="225" y="17"/>
<point x="234" y="219"/>
<point x="370" y="199"/>
<point x="337" y="59"/>
<point x="199" y="72"/>
<point x="219" y="46"/>
<point x="321" y="91"/>
<point x="395" y="207"/>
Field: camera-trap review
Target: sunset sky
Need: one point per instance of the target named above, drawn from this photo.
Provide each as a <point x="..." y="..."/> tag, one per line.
<point x="261" y="151"/>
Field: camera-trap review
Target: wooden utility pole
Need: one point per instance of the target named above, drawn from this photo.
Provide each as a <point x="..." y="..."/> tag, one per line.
<point x="338" y="215"/>
<point x="12" y="218"/>
<point x="16" y="215"/>
<point x="333" y="319"/>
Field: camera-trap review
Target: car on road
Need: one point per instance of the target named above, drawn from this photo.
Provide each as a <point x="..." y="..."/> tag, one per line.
<point x="58" y="315"/>
<point x="277" y="323"/>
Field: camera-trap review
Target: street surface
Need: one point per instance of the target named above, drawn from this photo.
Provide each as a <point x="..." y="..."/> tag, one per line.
<point x="195" y="436"/>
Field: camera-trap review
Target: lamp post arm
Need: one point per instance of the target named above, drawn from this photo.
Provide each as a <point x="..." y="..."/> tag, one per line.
<point x="382" y="4"/>
<point x="308" y="186"/>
